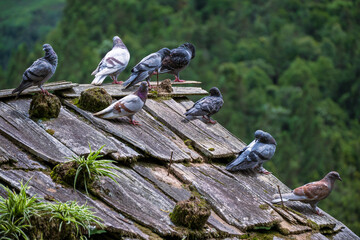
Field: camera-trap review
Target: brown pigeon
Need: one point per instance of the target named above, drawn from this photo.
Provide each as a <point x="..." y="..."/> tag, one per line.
<point x="311" y="193"/>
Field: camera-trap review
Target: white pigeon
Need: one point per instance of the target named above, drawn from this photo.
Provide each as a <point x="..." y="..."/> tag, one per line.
<point x="127" y="106"/>
<point x="114" y="62"/>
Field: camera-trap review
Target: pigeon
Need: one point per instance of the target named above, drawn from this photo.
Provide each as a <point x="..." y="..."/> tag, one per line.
<point x="114" y="62"/>
<point x="145" y="68"/>
<point x="255" y="154"/>
<point x="177" y="60"/>
<point x="39" y="72"/>
<point x="311" y="193"/>
<point x="207" y="106"/>
<point x="127" y="106"/>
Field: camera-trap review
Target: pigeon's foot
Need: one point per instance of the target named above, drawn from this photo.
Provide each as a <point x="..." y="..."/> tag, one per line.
<point x="179" y="80"/>
<point x="117" y="82"/>
<point x="45" y="92"/>
<point x="262" y="170"/>
<point x="211" y="121"/>
<point x="133" y="122"/>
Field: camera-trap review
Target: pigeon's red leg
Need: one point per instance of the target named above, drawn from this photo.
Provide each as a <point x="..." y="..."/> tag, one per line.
<point x="261" y="169"/>
<point x="133" y="122"/>
<point x="149" y="85"/>
<point x="116" y="81"/>
<point x="43" y="91"/>
<point x="177" y="79"/>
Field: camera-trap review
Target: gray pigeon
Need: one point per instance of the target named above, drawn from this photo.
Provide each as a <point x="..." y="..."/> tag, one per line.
<point x="39" y="72"/>
<point x="311" y="193"/>
<point x="146" y="67"/>
<point x="114" y="62"/>
<point x="255" y="154"/>
<point x="207" y="106"/>
<point x="178" y="59"/>
<point x="127" y="106"/>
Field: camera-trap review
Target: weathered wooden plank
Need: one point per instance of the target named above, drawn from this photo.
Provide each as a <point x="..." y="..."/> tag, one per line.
<point x="172" y="187"/>
<point x="154" y="83"/>
<point x="345" y="233"/>
<point x="17" y="157"/>
<point x="52" y="86"/>
<point x="265" y="186"/>
<point x="43" y="186"/>
<point x="137" y="198"/>
<point x="124" y="153"/>
<point x="150" y="136"/>
<point x="30" y="136"/>
<point x="72" y="132"/>
<point x="170" y="113"/>
<point x="228" y="198"/>
<point x="117" y="91"/>
<point x="219" y="132"/>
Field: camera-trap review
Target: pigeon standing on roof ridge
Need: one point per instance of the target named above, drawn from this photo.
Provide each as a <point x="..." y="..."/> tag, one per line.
<point x="146" y="67"/>
<point x="39" y="72"/>
<point x="126" y="106"/>
<point x="178" y="59"/>
<point x="114" y="62"/>
<point x="207" y="106"/>
<point x="253" y="156"/>
<point x="311" y="193"/>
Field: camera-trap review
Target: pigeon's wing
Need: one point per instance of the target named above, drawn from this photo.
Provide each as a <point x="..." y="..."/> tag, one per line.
<point x="264" y="151"/>
<point x="313" y="191"/>
<point x="115" y="60"/>
<point x="38" y="71"/>
<point x="148" y="63"/>
<point x="245" y="160"/>
<point x="211" y="105"/>
<point x="177" y="59"/>
<point x="131" y="103"/>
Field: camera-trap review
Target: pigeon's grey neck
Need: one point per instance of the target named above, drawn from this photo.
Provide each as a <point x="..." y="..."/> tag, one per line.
<point x="330" y="181"/>
<point x="51" y="57"/>
<point x="119" y="45"/>
<point x="141" y="94"/>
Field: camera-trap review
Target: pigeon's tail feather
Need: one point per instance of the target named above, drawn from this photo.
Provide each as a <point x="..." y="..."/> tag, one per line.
<point x="98" y="80"/>
<point x="106" y="113"/>
<point x="22" y="87"/>
<point x="237" y="164"/>
<point x="130" y="81"/>
<point x="135" y="78"/>
<point x="287" y="197"/>
<point x="95" y="71"/>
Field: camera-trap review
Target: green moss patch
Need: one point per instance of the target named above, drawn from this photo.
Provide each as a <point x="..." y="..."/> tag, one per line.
<point x="94" y="99"/>
<point x="50" y="131"/>
<point x="44" y="106"/>
<point x="190" y="213"/>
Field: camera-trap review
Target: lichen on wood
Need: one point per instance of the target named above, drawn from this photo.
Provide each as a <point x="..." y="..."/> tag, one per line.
<point x="94" y="99"/>
<point x="192" y="213"/>
<point x="44" y="106"/>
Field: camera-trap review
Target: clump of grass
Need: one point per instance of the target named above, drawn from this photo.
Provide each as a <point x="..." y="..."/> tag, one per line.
<point x="79" y="216"/>
<point x="90" y="168"/>
<point x="16" y="211"/>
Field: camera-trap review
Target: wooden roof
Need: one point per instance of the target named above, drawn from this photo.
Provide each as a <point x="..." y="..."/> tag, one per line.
<point x="147" y="192"/>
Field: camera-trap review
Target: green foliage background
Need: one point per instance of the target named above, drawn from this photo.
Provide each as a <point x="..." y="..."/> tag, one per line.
<point x="291" y="68"/>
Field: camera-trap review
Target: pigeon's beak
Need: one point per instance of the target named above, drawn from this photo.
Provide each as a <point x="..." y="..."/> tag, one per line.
<point x="340" y="178"/>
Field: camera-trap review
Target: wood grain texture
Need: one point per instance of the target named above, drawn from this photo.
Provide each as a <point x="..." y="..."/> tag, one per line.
<point x="75" y="133"/>
<point x="228" y="198"/>
<point x="43" y="186"/>
<point x="25" y="132"/>
<point x="117" y="91"/>
<point x="52" y="86"/>
<point x="150" y="137"/>
<point x="213" y="144"/>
